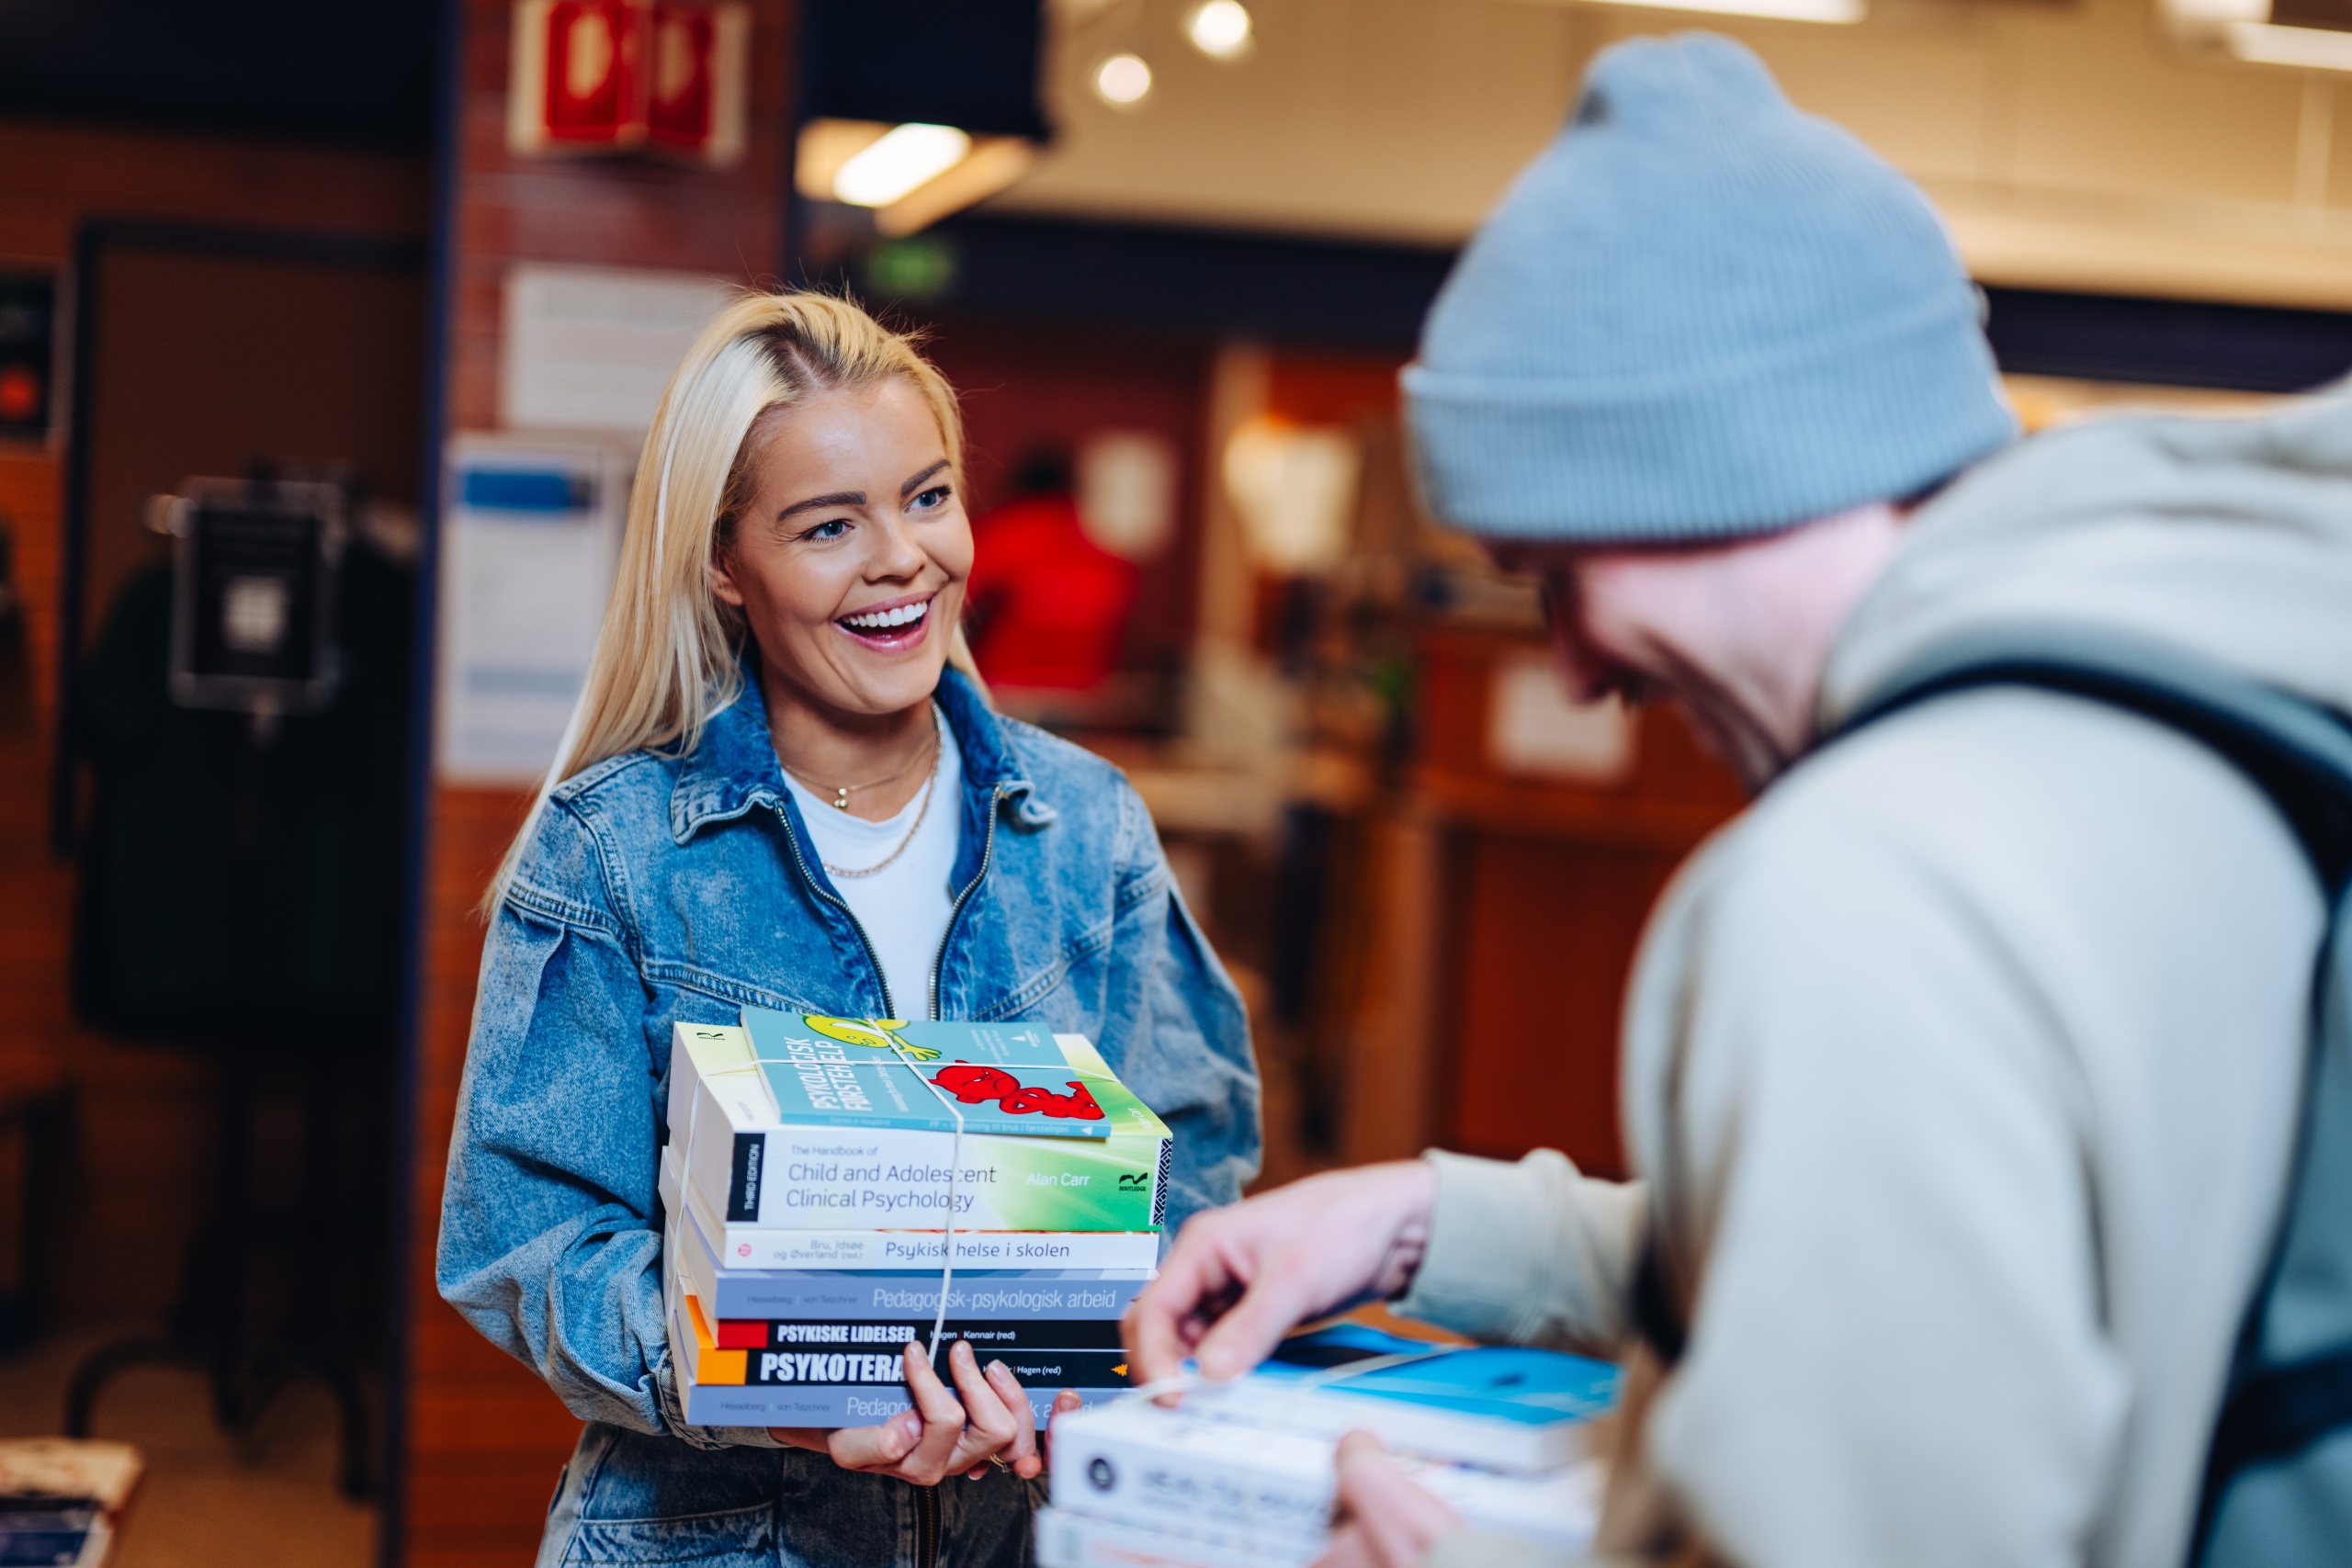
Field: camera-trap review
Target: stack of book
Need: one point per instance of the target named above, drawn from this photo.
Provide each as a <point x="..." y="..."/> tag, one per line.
<point x="1242" y="1475"/>
<point x="836" y="1188"/>
<point x="62" y="1499"/>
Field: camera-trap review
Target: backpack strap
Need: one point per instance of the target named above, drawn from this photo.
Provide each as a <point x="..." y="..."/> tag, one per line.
<point x="2299" y="754"/>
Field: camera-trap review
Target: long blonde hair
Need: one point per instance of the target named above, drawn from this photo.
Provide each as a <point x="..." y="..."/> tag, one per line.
<point x="666" y="657"/>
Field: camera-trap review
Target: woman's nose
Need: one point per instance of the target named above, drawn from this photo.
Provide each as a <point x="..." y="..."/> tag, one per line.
<point x="898" y="555"/>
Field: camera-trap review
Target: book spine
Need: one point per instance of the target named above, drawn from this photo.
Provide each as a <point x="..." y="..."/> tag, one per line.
<point x="872" y="1295"/>
<point x="1068" y="1540"/>
<point x="828" y="1404"/>
<point x="985" y="1336"/>
<point x="752" y="1247"/>
<point x="1032" y="1368"/>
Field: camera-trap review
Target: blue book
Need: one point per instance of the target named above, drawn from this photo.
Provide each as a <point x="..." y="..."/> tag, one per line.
<point x="1016" y="1078"/>
<point x="1503" y="1407"/>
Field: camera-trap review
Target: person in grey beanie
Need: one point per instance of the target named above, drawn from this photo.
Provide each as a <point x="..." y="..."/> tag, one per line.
<point x="1962" y="1070"/>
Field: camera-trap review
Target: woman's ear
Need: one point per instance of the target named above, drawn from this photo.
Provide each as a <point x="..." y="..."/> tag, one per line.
<point x="722" y="580"/>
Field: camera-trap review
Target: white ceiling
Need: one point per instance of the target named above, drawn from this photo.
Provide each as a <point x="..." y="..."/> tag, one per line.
<point x="2069" y="144"/>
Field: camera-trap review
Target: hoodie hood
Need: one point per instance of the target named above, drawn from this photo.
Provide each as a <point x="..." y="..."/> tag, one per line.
<point x="2228" y="539"/>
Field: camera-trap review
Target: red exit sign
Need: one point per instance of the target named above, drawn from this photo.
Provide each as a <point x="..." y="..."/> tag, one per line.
<point x="592" y="76"/>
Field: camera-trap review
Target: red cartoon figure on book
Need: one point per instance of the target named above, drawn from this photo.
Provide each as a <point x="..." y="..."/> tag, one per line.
<point x="976" y="1085"/>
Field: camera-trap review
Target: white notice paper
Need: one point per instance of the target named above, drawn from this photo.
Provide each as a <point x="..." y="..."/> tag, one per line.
<point x="1533" y="728"/>
<point x="531" y="532"/>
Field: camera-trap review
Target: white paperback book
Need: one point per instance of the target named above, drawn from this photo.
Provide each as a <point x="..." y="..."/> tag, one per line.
<point x="1270" y="1491"/>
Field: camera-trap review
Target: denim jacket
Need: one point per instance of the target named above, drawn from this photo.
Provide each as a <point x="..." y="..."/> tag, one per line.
<point x="658" y="889"/>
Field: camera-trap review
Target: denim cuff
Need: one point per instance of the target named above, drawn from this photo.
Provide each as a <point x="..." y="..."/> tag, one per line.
<point x="673" y="1417"/>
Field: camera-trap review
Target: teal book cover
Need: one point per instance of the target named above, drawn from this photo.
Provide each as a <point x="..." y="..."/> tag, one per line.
<point x="1014" y="1078"/>
<point x="1517" y="1386"/>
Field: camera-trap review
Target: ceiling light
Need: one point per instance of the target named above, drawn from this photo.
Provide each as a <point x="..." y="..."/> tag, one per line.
<point x="1219" y="29"/>
<point x="1123" y="80"/>
<point x="2318" y="49"/>
<point x="898" y="163"/>
<point x="824" y="146"/>
<point x="996" y="163"/>
<point x="1779" y="10"/>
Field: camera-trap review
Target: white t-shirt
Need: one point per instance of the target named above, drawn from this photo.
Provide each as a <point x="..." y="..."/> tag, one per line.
<point x="904" y="907"/>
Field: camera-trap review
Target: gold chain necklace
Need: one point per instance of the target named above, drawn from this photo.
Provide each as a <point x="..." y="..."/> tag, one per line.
<point x="929" y="784"/>
<point x="840" y="803"/>
<point x="842" y="791"/>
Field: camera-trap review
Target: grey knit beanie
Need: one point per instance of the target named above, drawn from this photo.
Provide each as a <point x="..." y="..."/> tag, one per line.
<point x="1699" y="314"/>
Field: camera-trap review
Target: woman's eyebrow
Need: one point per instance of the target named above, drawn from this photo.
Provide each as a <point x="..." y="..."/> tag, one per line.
<point x="908" y="488"/>
<point x="839" y="498"/>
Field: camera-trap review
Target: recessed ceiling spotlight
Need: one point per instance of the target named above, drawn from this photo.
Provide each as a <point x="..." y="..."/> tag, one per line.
<point x="1219" y="29"/>
<point x="1123" y="80"/>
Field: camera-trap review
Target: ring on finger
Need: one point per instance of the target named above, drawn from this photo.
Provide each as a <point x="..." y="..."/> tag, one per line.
<point x="998" y="1461"/>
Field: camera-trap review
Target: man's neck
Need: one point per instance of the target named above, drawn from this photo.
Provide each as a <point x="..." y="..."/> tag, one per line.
<point x="1800" y="588"/>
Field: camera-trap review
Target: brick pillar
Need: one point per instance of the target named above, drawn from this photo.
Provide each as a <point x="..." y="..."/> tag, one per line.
<point x="484" y="1439"/>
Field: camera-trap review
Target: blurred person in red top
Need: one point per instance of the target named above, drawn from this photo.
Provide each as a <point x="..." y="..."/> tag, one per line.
<point x="1048" y="604"/>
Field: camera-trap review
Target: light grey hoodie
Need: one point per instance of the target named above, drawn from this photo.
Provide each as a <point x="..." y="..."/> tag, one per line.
<point x="1963" y="1067"/>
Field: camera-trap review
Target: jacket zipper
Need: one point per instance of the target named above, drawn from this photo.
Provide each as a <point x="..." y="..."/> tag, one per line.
<point x="927" y="1527"/>
<point x="988" y="851"/>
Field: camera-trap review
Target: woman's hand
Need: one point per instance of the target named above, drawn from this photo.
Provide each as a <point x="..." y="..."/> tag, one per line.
<point x="1385" y="1521"/>
<point x="942" y="1435"/>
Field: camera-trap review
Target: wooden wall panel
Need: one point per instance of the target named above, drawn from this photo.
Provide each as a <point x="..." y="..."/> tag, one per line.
<point x="1546" y="936"/>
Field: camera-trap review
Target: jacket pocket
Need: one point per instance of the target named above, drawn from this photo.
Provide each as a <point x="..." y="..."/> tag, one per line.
<point x="737" y="1537"/>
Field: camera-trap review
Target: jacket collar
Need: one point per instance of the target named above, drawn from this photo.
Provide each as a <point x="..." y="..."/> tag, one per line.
<point x="734" y="768"/>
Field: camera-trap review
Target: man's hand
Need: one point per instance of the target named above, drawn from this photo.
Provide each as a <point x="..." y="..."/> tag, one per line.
<point x="1386" y="1521"/>
<point x="1240" y="1279"/>
<point x="940" y="1436"/>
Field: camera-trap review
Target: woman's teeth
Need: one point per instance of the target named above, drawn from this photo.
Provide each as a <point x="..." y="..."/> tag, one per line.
<point x="888" y="620"/>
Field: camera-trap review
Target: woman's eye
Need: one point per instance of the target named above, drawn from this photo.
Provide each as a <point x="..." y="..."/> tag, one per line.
<point x="935" y="496"/>
<point x="832" y="529"/>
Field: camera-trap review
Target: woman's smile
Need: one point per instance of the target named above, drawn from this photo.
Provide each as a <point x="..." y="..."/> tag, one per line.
<point x="890" y="626"/>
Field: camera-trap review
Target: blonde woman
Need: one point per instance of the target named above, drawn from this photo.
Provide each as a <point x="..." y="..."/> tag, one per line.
<point x="783" y="786"/>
